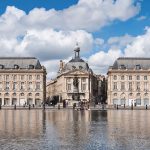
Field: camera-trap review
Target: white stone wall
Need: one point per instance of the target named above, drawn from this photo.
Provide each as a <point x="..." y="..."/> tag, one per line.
<point x="129" y="95"/>
<point x="22" y="96"/>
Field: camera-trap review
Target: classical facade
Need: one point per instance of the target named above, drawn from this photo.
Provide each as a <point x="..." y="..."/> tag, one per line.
<point x="75" y="82"/>
<point x="22" y="81"/>
<point x="129" y="82"/>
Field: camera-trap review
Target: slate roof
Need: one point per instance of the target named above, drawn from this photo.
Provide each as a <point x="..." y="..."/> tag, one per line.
<point x="21" y="62"/>
<point x="131" y="63"/>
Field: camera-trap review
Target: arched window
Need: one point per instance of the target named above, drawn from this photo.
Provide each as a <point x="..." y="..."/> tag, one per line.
<point x="115" y="94"/>
<point x="14" y="94"/>
<point x="115" y="77"/>
<point x="6" y="94"/>
<point x="37" y="94"/>
<point x="22" y="94"/>
<point x="30" y="94"/>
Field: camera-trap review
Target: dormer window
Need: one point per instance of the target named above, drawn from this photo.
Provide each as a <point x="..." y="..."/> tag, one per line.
<point x="123" y="67"/>
<point x="80" y="67"/>
<point x="138" y="67"/>
<point x="1" y="66"/>
<point x="31" y="66"/>
<point x="16" y="66"/>
<point x="73" y="67"/>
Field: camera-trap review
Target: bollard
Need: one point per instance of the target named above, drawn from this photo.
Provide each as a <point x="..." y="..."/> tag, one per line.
<point x="44" y="106"/>
<point x="146" y="106"/>
<point x="29" y="106"/>
<point x="58" y="106"/>
<point x="0" y="106"/>
<point x="132" y="107"/>
<point x="88" y="106"/>
<point x="15" y="106"/>
<point x="33" y="105"/>
<point x="117" y="106"/>
<point x="124" y="105"/>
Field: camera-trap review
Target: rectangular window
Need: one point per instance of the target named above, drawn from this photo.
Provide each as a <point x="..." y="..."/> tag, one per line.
<point x="137" y="77"/>
<point x="30" y="86"/>
<point x="122" y="86"/>
<point x="145" y="77"/>
<point x="38" y="77"/>
<point x="130" y="85"/>
<point x="130" y="77"/>
<point x="122" y="77"/>
<point x="138" y="85"/>
<point x="22" y="86"/>
<point x="115" y="86"/>
<point x="7" y="77"/>
<point x="37" y="85"/>
<point x="15" y="77"/>
<point x="7" y="85"/>
<point x="83" y="87"/>
<point x="22" y="77"/>
<point x="68" y="87"/>
<point x="30" y="77"/>
<point x="145" y="86"/>
<point x="14" y="86"/>
<point x="115" y="77"/>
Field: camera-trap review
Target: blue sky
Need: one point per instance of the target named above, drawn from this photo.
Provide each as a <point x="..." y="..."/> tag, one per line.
<point x="49" y="29"/>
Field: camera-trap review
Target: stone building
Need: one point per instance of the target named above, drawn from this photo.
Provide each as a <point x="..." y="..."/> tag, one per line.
<point x="22" y="81"/>
<point x="75" y="82"/>
<point x="129" y="82"/>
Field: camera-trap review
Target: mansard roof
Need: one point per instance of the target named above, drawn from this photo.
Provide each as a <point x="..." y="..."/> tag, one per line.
<point x="131" y="63"/>
<point x="20" y="62"/>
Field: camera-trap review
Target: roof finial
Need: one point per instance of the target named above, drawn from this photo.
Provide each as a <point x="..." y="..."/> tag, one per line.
<point x="77" y="50"/>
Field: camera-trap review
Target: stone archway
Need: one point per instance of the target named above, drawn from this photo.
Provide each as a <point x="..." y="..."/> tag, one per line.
<point x="122" y="99"/>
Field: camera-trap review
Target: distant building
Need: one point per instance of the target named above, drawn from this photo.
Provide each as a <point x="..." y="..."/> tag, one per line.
<point x="129" y="82"/>
<point x="75" y="82"/>
<point x="22" y="81"/>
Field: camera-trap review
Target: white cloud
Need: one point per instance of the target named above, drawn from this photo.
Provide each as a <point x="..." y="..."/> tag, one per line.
<point x="100" y="61"/>
<point x="120" y="41"/>
<point x="141" y="18"/>
<point x="140" y="47"/>
<point x="51" y="35"/>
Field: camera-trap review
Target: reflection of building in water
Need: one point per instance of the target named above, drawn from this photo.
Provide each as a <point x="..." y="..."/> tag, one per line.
<point x="22" y="81"/>
<point x="22" y="122"/>
<point x="128" y="82"/>
<point x="75" y="82"/>
<point x="70" y="123"/>
<point x="124" y="126"/>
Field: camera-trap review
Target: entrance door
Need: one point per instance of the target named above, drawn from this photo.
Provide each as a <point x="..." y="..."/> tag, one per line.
<point x="38" y="102"/>
<point x="22" y="101"/>
<point x="146" y="101"/>
<point x="6" y="101"/>
<point x="131" y="102"/>
<point x="14" y="101"/>
<point x="29" y="101"/>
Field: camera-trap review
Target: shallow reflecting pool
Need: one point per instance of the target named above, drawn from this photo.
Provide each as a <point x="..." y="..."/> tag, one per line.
<point x="74" y="130"/>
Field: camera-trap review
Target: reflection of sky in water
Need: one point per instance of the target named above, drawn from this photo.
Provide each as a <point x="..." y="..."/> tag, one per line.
<point x="68" y="129"/>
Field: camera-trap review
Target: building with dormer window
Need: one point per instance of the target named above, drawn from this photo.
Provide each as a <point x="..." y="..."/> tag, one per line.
<point x="75" y="82"/>
<point x="129" y="82"/>
<point x="22" y="81"/>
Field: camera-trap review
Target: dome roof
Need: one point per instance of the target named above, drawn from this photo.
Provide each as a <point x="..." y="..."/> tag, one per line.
<point x="76" y="63"/>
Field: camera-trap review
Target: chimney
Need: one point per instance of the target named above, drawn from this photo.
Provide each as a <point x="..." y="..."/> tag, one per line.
<point x="61" y="65"/>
